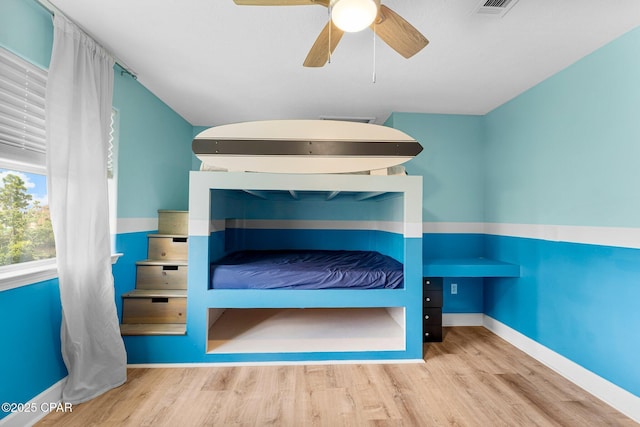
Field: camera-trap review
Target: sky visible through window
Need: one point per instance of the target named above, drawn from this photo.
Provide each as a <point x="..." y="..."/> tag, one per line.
<point x="25" y="225"/>
<point x="36" y="184"/>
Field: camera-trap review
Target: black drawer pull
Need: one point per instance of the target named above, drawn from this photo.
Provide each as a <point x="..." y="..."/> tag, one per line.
<point x="179" y="239"/>
<point x="169" y="267"/>
<point x="159" y="300"/>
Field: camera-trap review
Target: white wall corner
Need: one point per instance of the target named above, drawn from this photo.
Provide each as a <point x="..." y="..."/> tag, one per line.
<point x="617" y="397"/>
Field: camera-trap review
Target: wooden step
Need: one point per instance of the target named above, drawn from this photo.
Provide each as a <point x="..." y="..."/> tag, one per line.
<point x="153" y="329"/>
<point x="154" y="306"/>
<point x="173" y="222"/>
<point x="180" y="262"/>
<point x="153" y="274"/>
<point x="168" y="247"/>
<point x="152" y="293"/>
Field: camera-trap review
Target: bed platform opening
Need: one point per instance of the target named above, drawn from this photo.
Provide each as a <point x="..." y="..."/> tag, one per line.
<point x="311" y="330"/>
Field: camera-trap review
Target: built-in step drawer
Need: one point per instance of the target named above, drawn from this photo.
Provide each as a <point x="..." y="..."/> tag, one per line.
<point x="167" y="247"/>
<point x="154" y="306"/>
<point x="173" y="222"/>
<point x="152" y="274"/>
<point x="432" y="333"/>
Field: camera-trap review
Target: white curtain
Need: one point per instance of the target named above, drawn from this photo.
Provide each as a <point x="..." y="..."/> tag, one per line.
<point x="78" y="109"/>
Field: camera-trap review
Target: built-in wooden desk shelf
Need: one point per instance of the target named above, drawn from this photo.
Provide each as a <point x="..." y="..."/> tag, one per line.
<point x="433" y="272"/>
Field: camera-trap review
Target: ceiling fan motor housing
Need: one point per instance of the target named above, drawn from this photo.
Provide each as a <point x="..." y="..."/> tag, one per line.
<point x="354" y="15"/>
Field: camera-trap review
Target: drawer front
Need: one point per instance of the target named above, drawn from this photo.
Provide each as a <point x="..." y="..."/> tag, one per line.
<point x="432" y="299"/>
<point x="161" y="277"/>
<point x="432" y="283"/>
<point x="168" y="248"/>
<point x="432" y="316"/>
<point x="154" y="310"/>
<point x="432" y="333"/>
<point x="173" y="222"/>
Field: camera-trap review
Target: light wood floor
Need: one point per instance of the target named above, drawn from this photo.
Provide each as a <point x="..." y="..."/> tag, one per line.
<point x="473" y="378"/>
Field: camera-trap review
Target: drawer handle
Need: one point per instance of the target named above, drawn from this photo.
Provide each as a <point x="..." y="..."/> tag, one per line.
<point x="159" y="300"/>
<point x="426" y="317"/>
<point x="179" y="240"/>
<point x="169" y="267"/>
<point x="426" y="334"/>
<point x="427" y="299"/>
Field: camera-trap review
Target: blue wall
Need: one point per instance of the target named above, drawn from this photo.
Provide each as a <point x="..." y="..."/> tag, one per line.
<point x="565" y="153"/>
<point x="154" y="157"/>
<point x="154" y="161"/>
<point x="451" y="164"/>
<point x="30" y="360"/>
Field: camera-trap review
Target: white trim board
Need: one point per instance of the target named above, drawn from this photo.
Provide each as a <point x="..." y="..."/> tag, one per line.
<point x="618" y="398"/>
<point x="390" y="226"/>
<point x="277" y="363"/>
<point x="624" y="237"/>
<point x="135" y="225"/>
<point x="52" y="395"/>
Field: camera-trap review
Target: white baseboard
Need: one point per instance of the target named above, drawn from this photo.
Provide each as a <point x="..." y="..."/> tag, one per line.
<point x="462" y="319"/>
<point x="277" y="363"/>
<point x="618" y="398"/>
<point x="39" y="407"/>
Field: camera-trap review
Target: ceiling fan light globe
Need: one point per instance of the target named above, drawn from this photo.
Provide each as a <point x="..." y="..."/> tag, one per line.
<point x="353" y="15"/>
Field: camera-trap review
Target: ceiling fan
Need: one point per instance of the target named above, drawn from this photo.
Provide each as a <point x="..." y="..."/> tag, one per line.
<point x="352" y="16"/>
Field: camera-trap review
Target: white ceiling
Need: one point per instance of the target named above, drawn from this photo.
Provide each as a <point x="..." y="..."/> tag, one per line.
<point x="214" y="62"/>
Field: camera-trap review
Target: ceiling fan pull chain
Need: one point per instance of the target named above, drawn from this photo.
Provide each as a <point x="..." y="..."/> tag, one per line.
<point x="373" y="78"/>
<point x="330" y="27"/>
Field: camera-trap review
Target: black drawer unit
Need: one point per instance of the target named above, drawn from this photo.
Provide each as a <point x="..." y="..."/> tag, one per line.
<point x="432" y="309"/>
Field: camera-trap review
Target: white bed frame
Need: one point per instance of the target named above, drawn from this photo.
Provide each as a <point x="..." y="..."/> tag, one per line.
<point x="296" y="325"/>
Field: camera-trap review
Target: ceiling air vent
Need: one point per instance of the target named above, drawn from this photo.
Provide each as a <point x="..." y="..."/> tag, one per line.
<point x="494" y="7"/>
<point x="350" y="119"/>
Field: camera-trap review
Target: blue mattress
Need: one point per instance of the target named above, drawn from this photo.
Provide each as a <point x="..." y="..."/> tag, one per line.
<point x="315" y="269"/>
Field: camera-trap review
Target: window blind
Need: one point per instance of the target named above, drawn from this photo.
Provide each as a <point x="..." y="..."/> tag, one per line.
<point x="22" y="115"/>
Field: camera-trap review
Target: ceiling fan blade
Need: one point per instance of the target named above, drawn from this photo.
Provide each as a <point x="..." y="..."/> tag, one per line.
<point x="319" y="53"/>
<point x="281" y="2"/>
<point x="398" y="33"/>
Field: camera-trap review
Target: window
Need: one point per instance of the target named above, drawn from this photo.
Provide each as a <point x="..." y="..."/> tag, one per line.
<point x="27" y="248"/>
<point x="112" y="173"/>
<point x="22" y="121"/>
<point x="26" y="237"/>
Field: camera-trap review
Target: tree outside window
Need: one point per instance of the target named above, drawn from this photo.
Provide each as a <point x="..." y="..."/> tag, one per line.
<point x="25" y="225"/>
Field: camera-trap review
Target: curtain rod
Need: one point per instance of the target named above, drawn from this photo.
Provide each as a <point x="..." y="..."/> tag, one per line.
<point x="52" y="9"/>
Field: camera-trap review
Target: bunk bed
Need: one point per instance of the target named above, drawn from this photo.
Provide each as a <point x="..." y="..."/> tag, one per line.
<point x="235" y="217"/>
